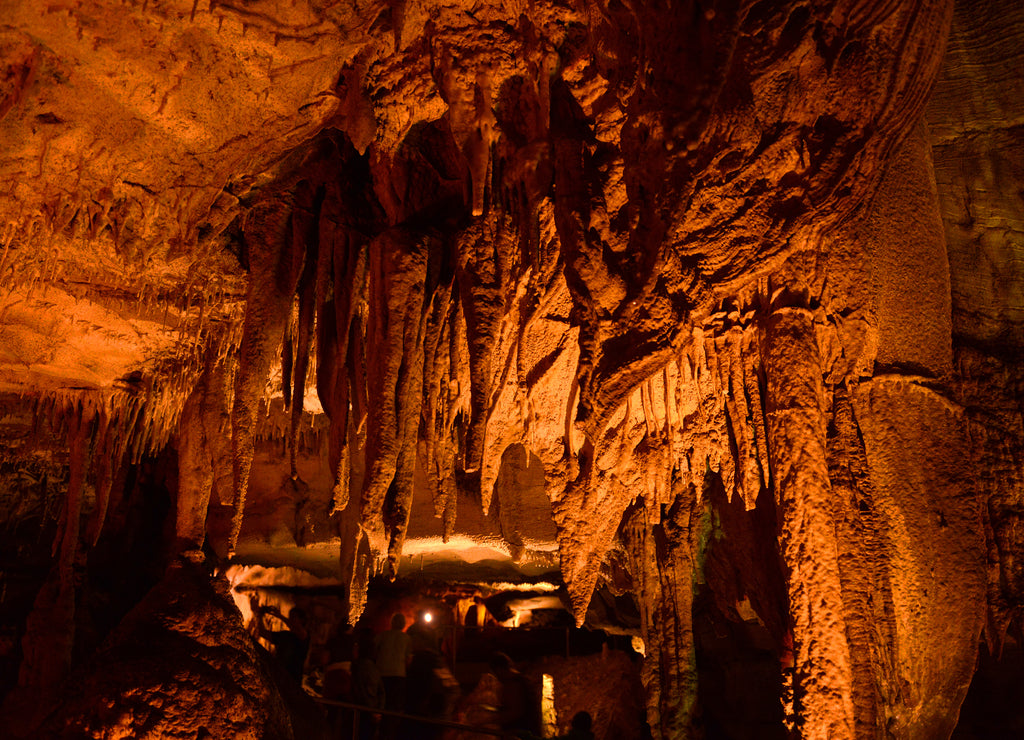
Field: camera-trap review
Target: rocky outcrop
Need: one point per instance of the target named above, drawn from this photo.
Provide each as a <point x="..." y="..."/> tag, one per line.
<point x="180" y="665"/>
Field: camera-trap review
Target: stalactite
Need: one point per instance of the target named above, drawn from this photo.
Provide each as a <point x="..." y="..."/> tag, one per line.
<point x="409" y="402"/>
<point x="435" y="395"/>
<point x="731" y="351"/>
<point x="394" y="335"/>
<point x="342" y="376"/>
<point x="49" y="634"/>
<point x="486" y="272"/>
<point x="755" y="403"/>
<point x="276" y="251"/>
<point x="359" y="400"/>
<point x="79" y="420"/>
<point x="653" y="197"/>
<point x="331" y="385"/>
<point x="504" y="420"/>
<point x="719" y="358"/>
<point x="340" y="456"/>
<point x="480" y="289"/>
<point x="362" y="567"/>
<point x="217" y="420"/>
<point x="195" y="467"/>
<point x="611" y="475"/>
<point x="467" y="91"/>
<point x="345" y="220"/>
<point x="307" y="286"/>
<point x="333" y="390"/>
<point x="287" y="362"/>
<point x="106" y="461"/>
<point x="325" y="294"/>
<point x="457" y="412"/>
<point x="132" y="424"/>
<point x="356" y="562"/>
<point x="350" y="294"/>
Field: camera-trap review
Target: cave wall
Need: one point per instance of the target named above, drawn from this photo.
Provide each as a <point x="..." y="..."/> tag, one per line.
<point x="975" y="125"/>
<point x="738" y="281"/>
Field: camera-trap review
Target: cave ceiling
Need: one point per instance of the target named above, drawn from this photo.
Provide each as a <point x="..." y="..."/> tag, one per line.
<point x="566" y="271"/>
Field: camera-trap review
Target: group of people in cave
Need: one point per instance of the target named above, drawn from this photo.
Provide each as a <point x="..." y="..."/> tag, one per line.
<point x="401" y="673"/>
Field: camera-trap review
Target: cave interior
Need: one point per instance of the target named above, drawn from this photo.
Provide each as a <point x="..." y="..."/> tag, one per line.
<point x="673" y="348"/>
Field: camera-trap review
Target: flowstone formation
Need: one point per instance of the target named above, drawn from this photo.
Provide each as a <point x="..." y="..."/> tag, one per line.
<point x="710" y="273"/>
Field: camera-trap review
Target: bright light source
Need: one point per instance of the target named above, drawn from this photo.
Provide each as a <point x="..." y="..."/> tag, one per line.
<point x="428" y="617"/>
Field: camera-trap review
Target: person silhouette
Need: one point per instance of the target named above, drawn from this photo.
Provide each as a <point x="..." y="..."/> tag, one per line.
<point x="290" y="645"/>
<point x="367" y="686"/>
<point x="581" y="727"/>
<point x="519" y="709"/>
<point x="394" y="649"/>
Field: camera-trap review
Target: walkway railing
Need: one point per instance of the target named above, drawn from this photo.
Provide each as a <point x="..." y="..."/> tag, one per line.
<point x="357" y="709"/>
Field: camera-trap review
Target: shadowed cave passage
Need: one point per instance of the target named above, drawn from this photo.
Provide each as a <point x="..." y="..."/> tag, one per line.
<point x="744" y="660"/>
<point x="673" y="348"/>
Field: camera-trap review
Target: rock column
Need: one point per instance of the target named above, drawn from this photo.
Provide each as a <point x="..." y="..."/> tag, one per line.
<point x="807" y="533"/>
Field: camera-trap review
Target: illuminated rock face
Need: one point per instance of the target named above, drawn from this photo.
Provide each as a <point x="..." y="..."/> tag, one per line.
<point x="729" y="284"/>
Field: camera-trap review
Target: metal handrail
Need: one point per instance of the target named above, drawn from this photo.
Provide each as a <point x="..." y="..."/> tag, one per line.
<point x="415" y="718"/>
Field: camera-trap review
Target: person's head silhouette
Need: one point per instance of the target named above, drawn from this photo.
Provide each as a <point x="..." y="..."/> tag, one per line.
<point x="582" y="724"/>
<point x="582" y="721"/>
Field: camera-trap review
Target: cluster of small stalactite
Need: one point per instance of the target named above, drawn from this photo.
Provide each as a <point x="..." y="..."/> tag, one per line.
<point x="105" y="431"/>
<point x="422" y="273"/>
